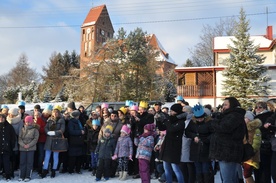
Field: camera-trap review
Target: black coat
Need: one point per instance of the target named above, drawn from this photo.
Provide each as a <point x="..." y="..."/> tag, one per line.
<point x="91" y="136"/>
<point x="265" y="148"/>
<point x="137" y="127"/>
<point x="199" y="152"/>
<point x="7" y="138"/>
<point x="227" y="141"/>
<point x="76" y="138"/>
<point x="172" y="144"/>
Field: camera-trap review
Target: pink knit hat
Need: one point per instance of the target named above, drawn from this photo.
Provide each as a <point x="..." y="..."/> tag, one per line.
<point x="29" y="119"/>
<point x="104" y="105"/>
<point x="126" y="129"/>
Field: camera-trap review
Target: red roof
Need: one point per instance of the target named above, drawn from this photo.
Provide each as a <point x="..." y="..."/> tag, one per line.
<point x="94" y="14"/>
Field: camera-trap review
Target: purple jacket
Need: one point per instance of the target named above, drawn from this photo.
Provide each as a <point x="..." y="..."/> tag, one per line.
<point x="124" y="147"/>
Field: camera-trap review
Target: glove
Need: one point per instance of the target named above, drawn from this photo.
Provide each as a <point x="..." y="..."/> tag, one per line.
<point x="114" y="157"/>
<point x="51" y="133"/>
<point x="130" y="158"/>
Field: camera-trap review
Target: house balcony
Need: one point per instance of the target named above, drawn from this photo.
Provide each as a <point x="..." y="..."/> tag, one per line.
<point x="195" y="90"/>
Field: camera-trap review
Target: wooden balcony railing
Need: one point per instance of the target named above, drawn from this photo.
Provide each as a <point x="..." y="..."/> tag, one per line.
<point x="195" y="90"/>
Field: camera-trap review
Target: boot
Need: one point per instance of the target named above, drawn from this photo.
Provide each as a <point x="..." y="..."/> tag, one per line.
<point x="124" y="175"/>
<point x="249" y="180"/>
<point x="53" y="173"/>
<point x="120" y="175"/>
<point x="199" y="178"/>
<point x="44" y="173"/>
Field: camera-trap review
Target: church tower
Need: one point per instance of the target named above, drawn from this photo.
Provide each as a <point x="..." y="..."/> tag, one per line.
<point x="95" y="30"/>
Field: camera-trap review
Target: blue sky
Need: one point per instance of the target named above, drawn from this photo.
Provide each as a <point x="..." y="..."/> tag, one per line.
<point x="38" y="28"/>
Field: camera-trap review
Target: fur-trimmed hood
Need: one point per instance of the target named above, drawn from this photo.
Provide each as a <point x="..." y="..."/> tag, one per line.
<point x="14" y="120"/>
<point x="254" y="124"/>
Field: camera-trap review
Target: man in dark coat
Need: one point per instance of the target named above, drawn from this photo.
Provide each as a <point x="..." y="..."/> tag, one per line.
<point x="7" y="143"/>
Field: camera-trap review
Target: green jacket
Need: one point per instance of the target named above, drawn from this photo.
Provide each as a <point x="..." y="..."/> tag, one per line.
<point x="254" y="138"/>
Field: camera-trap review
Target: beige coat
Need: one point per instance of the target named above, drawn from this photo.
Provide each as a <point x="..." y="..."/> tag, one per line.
<point x="28" y="135"/>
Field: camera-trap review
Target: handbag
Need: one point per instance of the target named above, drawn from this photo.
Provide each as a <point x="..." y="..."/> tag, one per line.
<point x="59" y="144"/>
<point x="248" y="150"/>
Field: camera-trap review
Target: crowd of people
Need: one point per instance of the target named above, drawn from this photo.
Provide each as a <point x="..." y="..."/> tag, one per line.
<point x="185" y="144"/>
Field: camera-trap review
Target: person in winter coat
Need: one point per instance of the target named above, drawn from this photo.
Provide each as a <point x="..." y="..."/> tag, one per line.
<point x="14" y="118"/>
<point x="254" y="138"/>
<point x="105" y="150"/>
<point x="200" y="130"/>
<point x="271" y="126"/>
<point x="55" y="127"/>
<point x="27" y="140"/>
<point x="144" y="151"/>
<point x="187" y="166"/>
<point x="171" y="146"/>
<point x="76" y="142"/>
<point x="226" y="143"/>
<point x="159" y="169"/>
<point x="7" y="143"/>
<point x="41" y="121"/>
<point x="123" y="151"/>
<point x="92" y="130"/>
<point x="263" y="175"/>
<point x="138" y="120"/>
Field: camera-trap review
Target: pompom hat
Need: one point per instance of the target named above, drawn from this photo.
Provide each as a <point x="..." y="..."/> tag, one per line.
<point x="126" y="129"/>
<point x="150" y="127"/>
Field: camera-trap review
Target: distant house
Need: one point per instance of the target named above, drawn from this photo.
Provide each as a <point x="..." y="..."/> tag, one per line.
<point x="204" y="84"/>
<point x="97" y="28"/>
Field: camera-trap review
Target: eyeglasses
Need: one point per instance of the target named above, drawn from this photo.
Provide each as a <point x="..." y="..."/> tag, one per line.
<point x="258" y="107"/>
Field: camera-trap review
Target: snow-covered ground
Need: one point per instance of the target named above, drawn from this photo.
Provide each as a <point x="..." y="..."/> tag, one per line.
<point x="85" y="177"/>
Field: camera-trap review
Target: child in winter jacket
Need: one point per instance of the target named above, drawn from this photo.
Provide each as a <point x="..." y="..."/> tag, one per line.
<point x="144" y="151"/>
<point x="92" y="131"/>
<point x="27" y="139"/>
<point x="105" y="149"/>
<point x="254" y="138"/>
<point x="123" y="151"/>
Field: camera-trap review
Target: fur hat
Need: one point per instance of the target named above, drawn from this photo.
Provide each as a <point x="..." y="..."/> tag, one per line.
<point x="29" y="119"/>
<point x="72" y="105"/>
<point x="13" y="111"/>
<point x="249" y="115"/>
<point x="75" y="113"/>
<point x="126" y="129"/>
<point x="108" y="129"/>
<point x="177" y="108"/>
<point x="150" y="127"/>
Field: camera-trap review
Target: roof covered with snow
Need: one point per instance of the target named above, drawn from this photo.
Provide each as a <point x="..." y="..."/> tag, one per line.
<point x="155" y="43"/>
<point x="221" y="43"/>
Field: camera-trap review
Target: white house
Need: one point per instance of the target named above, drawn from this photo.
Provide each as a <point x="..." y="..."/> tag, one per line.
<point x="204" y="84"/>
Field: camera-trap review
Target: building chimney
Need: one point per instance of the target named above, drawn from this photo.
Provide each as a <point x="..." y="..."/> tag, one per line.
<point x="269" y="32"/>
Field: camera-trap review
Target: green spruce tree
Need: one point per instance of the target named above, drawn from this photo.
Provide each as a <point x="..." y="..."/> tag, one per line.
<point x="245" y="76"/>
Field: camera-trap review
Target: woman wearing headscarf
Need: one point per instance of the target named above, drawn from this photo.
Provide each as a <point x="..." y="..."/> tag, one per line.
<point x="226" y="144"/>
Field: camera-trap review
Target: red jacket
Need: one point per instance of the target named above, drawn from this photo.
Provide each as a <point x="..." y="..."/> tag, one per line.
<point x="42" y="134"/>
